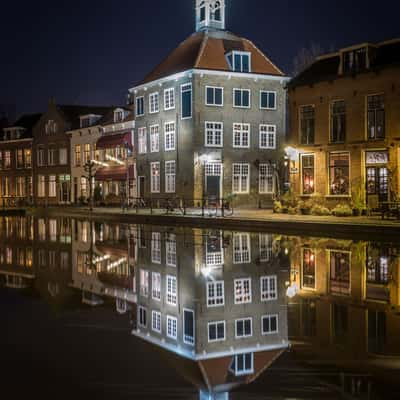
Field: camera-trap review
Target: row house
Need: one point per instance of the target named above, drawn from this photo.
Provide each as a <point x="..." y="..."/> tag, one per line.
<point x="16" y="173"/>
<point x="52" y="151"/>
<point x="210" y="118"/>
<point x="345" y="125"/>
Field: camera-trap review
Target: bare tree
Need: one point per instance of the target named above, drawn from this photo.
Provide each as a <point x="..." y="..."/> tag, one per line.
<point x="305" y="57"/>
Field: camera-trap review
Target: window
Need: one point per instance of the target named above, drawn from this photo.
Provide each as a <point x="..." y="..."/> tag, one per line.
<point x="267" y="136"/>
<point x="142" y="139"/>
<point x="52" y="156"/>
<point x="243" y="364"/>
<point x="156" y="247"/>
<point x="376" y="117"/>
<point x="28" y="158"/>
<point x="240" y="178"/>
<point x="239" y="61"/>
<point x="86" y="153"/>
<point x="170" y="250"/>
<point x="20" y="158"/>
<point x="269" y="288"/>
<point x="42" y="229"/>
<point x="169" y="99"/>
<point x="52" y="186"/>
<point x="214" y="132"/>
<point x="172" y="290"/>
<point x="186" y="99"/>
<point x="266" y="179"/>
<point x="63" y="156"/>
<point x="216" y="331"/>
<point x="50" y="127"/>
<point x="338" y="122"/>
<point x="214" y="96"/>
<point x="7" y="159"/>
<point x="307" y="124"/>
<point x="188" y="327"/>
<point x="267" y="100"/>
<point x="241" y="248"/>
<point x="154" y="138"/>
<point x="170" y="174"/>
<point x="215" y="294"/>
<point x="40" y="158"/>
<point x="144" y="283"/>
<point x="84" y="191"/>
<point x="354" y="61"/>
<point x="169" y="136"/>
<point x="242" y="291"/>
<point x="155" y="177"/>
<point x="243" y="328"/>
<point x="340" y="272"/>
<point x="154" y="103"/>
<point x="215" y="11"/>
<point x="142" y="317"/>
<point x="202" y="12"/>
<point x="339" y="173"/>
<point x="139" y="106"/>
<point x="308" y="174"/>
<point x="156" y="321"/>
<point x="77" y="155"/>
<point x="20" y="186"/>
<point x="269" y="324"/>
<point x="340" y="322"/>
<point x="156" y="286"/>
<point x="85" y="122"/>
<point x="241" y="135"/>
<point x="172" y="327"/>
<point x="308" y="270"/>
<point x="53" y="230"/>
<point x="241" y="98"/>
<point x="265" y="243"/>
<point x="41" y="186"/>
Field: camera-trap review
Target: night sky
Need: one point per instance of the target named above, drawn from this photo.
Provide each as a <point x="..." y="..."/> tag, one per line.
<point x="91" y="52"/>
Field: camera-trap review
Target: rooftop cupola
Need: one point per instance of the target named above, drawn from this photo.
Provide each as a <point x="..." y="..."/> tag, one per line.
<point x="210" y="14"/>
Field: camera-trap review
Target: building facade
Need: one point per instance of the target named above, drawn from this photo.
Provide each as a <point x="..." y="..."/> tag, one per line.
<point x="344" y="126"/>
<point x="16" y="172"/>
<point x="210" y="119"/>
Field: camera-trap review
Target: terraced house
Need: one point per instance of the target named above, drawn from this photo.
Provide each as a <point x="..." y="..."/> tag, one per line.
<point x="345" y="125"/>
<point x="210" y="118"/>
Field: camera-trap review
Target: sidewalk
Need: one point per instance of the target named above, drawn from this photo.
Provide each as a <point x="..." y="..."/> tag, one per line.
<point x="246" y="219"/>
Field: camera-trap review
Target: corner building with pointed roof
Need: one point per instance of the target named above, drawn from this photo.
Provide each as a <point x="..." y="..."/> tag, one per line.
<point x="211" y="119"/>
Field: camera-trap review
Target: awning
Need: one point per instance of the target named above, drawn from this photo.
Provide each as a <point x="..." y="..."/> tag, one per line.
<point x="111" y="174"/>
<point x="110" y="141"/>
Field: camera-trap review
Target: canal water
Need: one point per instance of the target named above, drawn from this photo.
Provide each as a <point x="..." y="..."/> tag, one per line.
<point x="104" y="310"/>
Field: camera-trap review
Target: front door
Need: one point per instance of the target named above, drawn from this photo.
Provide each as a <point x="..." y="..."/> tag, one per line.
<point x="213" y="180"/>
<point x="378" y="183"/>
<point x="65" y="188"/>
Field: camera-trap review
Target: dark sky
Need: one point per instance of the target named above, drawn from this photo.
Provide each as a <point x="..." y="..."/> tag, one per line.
<point x="91" y="52"/>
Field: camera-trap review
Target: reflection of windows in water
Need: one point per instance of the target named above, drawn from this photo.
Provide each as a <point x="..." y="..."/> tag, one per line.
<point x="216" y="331"/>
<point x="243" y="327"/>
<point x="156" y="286"/>
<point x="269" y="324"/>
<point x="215" y="294"/>
<point x="340" y="322"/>
<point x="214" y="250"/>
<point x="142" y="316"/>
<point x="172" y="327"/>
<point x="242" y="291"/>
<point x="308" y="278"/>
<point x="144" y="283"/>
<point x="188" y="326"/>
<point x="156" y="321"/>
<point x="170" y="246"/>
<point x="241" y="248"/>
<point x="172" y="290"/>
<point x="340" y="272"/>
<point x="156" y="247"/>
<point x="269" y="290"/>
<point x="339" y="173"/>
<point x="242" y="364"/>
<point x="377" y="265"/>
<point x="265" y="242"/>
<point x="376" y="332"/>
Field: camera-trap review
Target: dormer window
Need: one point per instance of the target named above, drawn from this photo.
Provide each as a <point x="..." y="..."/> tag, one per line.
<point x="355" y="60"/>
<point x="85" y="122"/>
<point x="215" y="12"/>
<point x="118" y="116"/>
<point x="50" y="127"/>
<point x="239" y="61"/>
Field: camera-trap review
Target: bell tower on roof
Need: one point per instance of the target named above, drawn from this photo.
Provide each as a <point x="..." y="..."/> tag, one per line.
<point x="210" y="14"/>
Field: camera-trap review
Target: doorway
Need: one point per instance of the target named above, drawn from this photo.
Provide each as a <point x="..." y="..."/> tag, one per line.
<point x="213" y="181"/>
<point x="65" y="188"/>
<point x="378" y="183"/>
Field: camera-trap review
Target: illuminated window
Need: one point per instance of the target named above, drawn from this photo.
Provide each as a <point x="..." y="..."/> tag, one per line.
<point x="52" y="186"/>
<point x="308" y="272"/>
<point x="339" y="173"/>
<point x="308" y="173"/>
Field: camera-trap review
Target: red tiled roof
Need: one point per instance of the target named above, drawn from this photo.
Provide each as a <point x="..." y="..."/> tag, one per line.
<point x="207" y="50"/>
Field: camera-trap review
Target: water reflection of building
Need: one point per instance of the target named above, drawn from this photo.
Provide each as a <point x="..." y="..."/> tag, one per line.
<point x="347" y="305"/>
<point x="214" y="301"/>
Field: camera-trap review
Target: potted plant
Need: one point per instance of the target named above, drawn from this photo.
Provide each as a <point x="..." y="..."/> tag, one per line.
<point x="306" y="206"/>
<point x="357" y="198"/>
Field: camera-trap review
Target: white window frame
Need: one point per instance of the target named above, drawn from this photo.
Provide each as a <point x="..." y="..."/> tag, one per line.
<point x="52" y="186"/>
<point x="239" y="177"/>
<point x="265" y="241"/>
<point x="40" y="157"/>
<point x="242" y="254"/>
<point x="156" y="321"/>
<point x="270" y="293"/>
<point x="208" y="331"/>
<point x="156" y="247"/>
<point x="170" y="176"/>
<point x="154" y="103"/>
<point x="141" y="99"/>
<point x="172" y="327"/>
<point x="240" y="298"/>
<point x="154" y="138"/>
<point x="170" y="250"/>
<point x="268" y="92"/>
<point x="189" y="339"/>
<point x="140" y="320"/>
<point x="171" y="297"/>
<point x="144" y="284"/>
<point x="238" y="127"/>
<point x="233" y="66"/>
<point x="214" y="104"/>
<point x="63" y="156"/>
<point x="263" y="179"/>
<point x="241" y="98"/>
<point x="169" y="136"/>
<point x="244" y="371"/>
<point x="269" y="316"/>
<point x="215" y="300"/>
<point x="41" y="184"/>
<point x="242" y="320"/>
<point x="155" y="179"/>
<point x="169" y="101"/>
<point x="156" y="286"/>
<point x="191" y="103"/>
<point x="267" y="132"/>
<point x="214" y="130"/>
<point x="142" y="140"/>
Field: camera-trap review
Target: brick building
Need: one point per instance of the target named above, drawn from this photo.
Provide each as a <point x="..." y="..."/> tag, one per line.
<point x="345" y="125"/>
